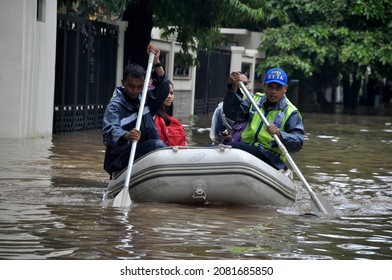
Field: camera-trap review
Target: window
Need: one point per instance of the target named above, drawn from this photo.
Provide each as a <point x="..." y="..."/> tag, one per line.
<point x="245" y="68"/>
<point x="163" y="58"/>
<point x="180" y="69"/>
<point x="41" y="10"/>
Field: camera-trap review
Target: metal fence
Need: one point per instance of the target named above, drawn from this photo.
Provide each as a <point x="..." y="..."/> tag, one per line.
<point x="86" y="56"/>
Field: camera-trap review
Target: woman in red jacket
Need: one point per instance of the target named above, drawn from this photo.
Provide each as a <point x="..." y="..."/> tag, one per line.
<point x="170" y="130"/>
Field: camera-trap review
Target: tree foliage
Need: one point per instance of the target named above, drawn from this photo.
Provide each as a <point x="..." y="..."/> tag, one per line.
<point x="329" y="41"/>
<point x="348" y="36"/>
<point x="98" y="9"/>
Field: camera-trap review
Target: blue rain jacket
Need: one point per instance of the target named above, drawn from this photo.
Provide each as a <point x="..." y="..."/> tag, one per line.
<point x="292" y="134"/>
<point x="120" y="118"/>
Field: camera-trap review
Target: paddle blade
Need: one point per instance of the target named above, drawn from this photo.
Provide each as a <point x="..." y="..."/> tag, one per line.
<point x="123" y="199"/>
<point x="327" y="205"/>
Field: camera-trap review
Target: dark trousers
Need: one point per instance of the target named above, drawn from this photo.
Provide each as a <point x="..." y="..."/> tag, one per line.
<point x="122" y="160"/>
<point x="261" y="153"/>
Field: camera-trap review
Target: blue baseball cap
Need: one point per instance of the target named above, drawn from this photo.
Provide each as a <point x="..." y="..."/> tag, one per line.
<point x="276" y="75"/>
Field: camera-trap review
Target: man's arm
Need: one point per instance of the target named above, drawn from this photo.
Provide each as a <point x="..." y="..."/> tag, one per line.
<point x="293" y="135"/>
<point x="235" y="107"/>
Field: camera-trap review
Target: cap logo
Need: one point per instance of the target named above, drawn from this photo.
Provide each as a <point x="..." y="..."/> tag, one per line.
<point x="275" y="75"/>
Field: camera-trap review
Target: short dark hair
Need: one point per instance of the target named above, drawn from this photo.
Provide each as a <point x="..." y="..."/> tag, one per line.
<point x="133" y="70"/>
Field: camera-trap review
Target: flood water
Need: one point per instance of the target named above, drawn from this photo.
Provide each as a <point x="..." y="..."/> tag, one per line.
<point x="51" y="203"/>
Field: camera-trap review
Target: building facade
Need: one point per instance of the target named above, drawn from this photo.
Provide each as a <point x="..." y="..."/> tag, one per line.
<point x="28" y="78"/>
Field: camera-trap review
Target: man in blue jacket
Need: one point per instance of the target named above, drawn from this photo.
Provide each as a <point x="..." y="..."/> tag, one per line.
<point x="283" y="117"/>
<point x="120" y="117"/>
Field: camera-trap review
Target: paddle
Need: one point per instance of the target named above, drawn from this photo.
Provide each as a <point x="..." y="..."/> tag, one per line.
<point x="324" y="206"/>
<point x="123" y="199"/>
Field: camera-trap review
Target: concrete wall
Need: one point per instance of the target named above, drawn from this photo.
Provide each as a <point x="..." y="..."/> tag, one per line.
<point x="27" y="67"/>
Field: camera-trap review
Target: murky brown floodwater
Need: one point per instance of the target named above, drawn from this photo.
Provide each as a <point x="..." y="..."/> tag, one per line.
<point x="51" y="203"/>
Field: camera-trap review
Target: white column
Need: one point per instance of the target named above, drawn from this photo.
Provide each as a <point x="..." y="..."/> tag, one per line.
<point x="252" y="54"/>
<point x="236" y="58"/>
<point x="172" y="52"/>
<point x="27" y="69"/>
<point x="122" y="27"/>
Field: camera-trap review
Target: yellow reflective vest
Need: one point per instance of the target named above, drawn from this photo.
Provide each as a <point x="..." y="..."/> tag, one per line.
<point x="255" y="132"/>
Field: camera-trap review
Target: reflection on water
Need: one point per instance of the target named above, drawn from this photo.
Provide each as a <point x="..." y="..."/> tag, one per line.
<point x="51" y="203"/>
